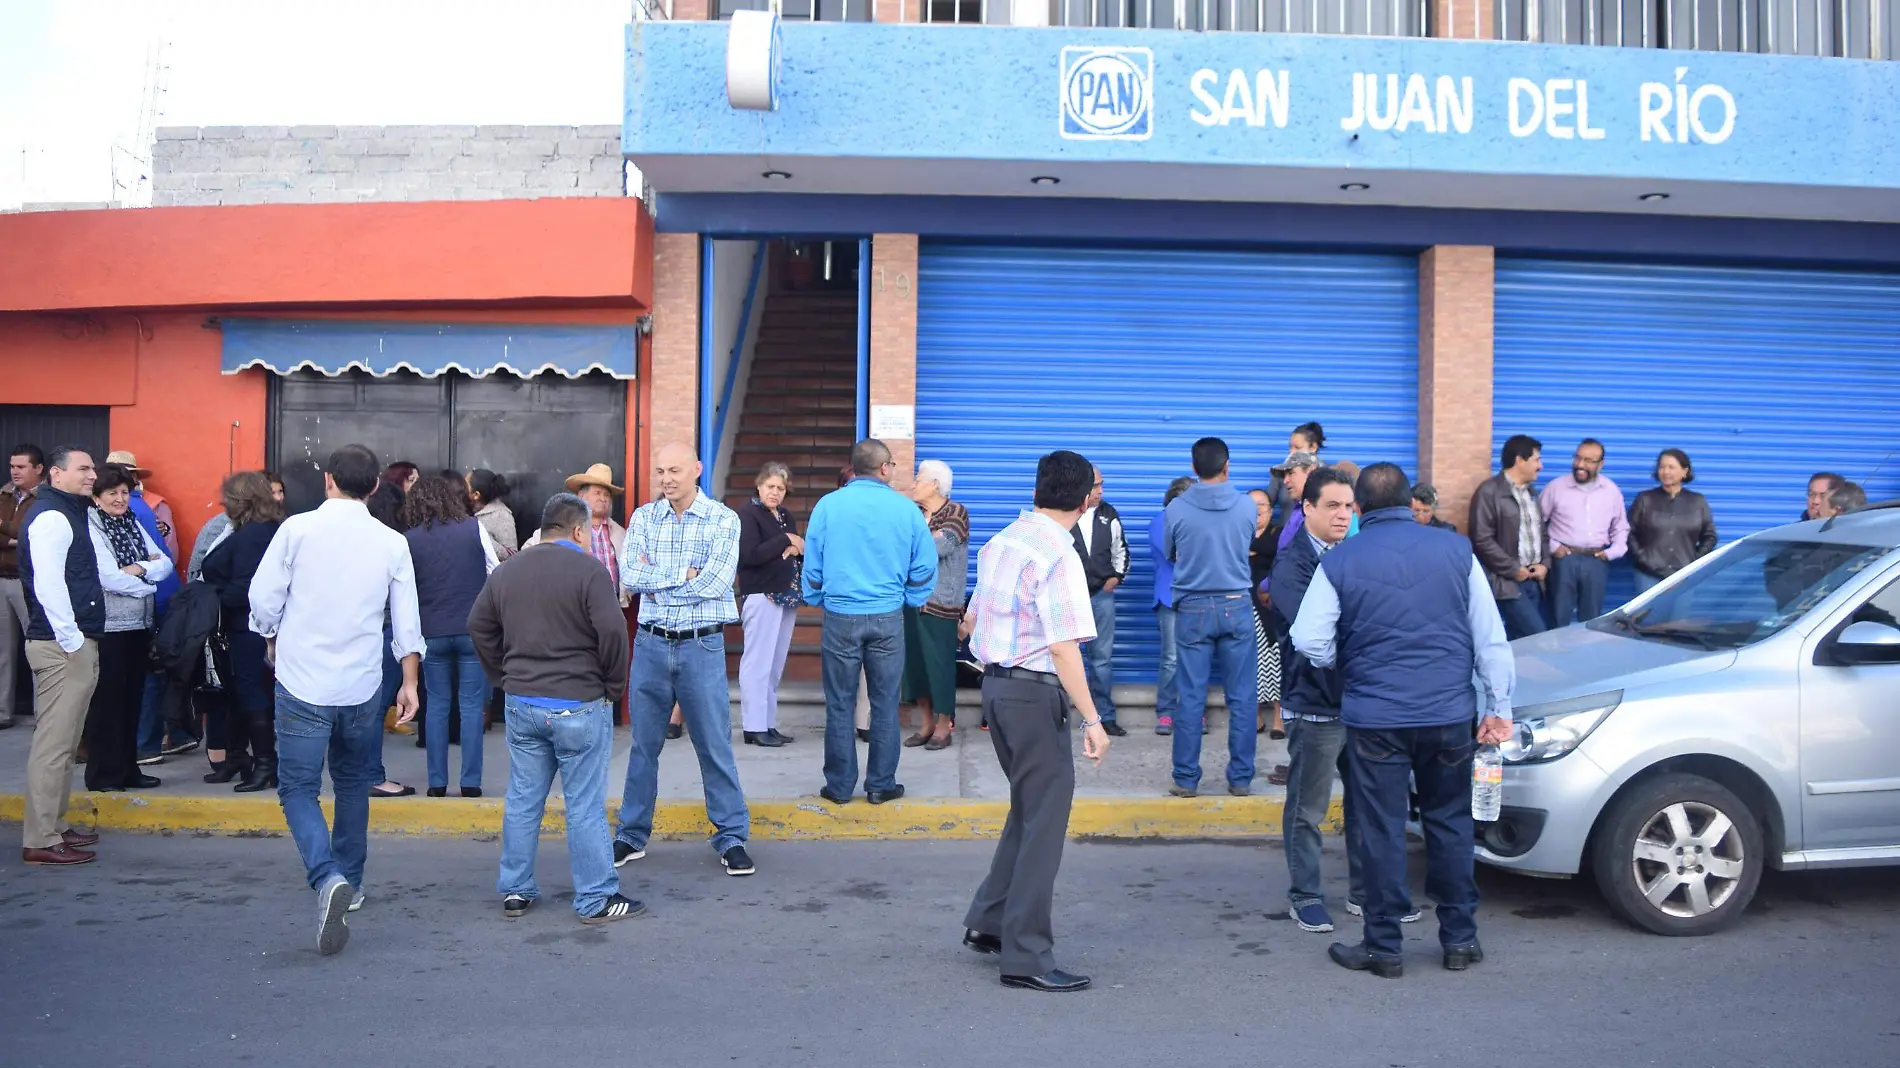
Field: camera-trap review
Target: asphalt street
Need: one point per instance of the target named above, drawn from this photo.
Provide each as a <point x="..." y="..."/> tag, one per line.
<point x="202" y="952"/>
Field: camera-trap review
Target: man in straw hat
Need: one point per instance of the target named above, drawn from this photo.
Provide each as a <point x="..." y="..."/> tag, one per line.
<point x="596" y="487"/>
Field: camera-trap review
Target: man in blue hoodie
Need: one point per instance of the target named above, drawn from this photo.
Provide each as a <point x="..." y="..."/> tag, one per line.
<point x="868" y="554"/>
<point x="1207" y="533"/>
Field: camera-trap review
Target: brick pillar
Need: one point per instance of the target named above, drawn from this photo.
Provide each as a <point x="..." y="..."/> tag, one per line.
<point x="898" y="10"/>
<point x="894" y="336"/>
<point x="1454" y="373"/>
<point x="675" y="394"/>
<point x="693" y="10"/>
<point x="1464" y="18"/>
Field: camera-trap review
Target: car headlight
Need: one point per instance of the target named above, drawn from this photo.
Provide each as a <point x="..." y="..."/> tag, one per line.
<point x="1548" y="731"/>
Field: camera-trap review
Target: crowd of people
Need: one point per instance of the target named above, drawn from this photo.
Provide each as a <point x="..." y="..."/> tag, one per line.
<point x="296" y="641"/>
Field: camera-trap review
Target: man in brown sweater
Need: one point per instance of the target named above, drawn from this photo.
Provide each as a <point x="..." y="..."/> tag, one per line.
<point x="549" y="631"/>
<point x="26" y="466"/>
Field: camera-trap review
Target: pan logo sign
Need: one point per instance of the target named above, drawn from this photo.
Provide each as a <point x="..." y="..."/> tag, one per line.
<point x="1107" y="94"/>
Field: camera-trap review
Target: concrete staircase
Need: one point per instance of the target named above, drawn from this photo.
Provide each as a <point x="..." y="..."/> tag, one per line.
<point x="800" y="410"/>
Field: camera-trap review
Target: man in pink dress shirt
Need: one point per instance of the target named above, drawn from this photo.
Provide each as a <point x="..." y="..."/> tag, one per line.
<point x="1586" y="529"/>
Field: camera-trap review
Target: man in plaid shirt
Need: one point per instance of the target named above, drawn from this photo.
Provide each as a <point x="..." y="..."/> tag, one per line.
<point x="1026" y="624"/>
<point x="681" y="556"/>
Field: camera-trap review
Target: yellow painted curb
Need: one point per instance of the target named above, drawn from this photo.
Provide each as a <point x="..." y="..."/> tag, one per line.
<point x="797" y="819"/>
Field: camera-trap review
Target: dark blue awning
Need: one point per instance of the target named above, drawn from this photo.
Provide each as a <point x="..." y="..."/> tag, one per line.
<point x="334" y="346"/>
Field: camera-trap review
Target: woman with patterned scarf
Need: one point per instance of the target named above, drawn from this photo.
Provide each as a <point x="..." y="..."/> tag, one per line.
<point x="131" y="565"/>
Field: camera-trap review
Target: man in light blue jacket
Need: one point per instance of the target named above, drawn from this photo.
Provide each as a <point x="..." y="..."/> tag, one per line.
<point x="868" y="555"/>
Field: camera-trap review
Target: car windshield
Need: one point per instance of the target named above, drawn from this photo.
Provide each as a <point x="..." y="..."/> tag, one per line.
<point x="1749" y="593"/>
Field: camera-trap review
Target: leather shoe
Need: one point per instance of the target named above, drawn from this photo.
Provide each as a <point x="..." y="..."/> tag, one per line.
<point x="981" y="942"/>
<point x="59" y="856"/>
<point x="1055" y="981"/>
<point x="1458" y="958"/>
<point x="825" y="792"/>
<point x="783" y="738"/>
<point x="768" y="739"/>
<point x="1359" y="959"/>
<point x="1113" y="730"/>
<point x="878" y="797"/>
<point x="79" y="839"/>
<point x="141" y="782"/>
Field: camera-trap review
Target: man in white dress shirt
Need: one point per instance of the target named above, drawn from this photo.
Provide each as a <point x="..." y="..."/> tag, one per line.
<point x="319" y="597"/>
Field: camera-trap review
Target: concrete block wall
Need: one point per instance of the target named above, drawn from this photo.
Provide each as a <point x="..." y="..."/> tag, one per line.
<point x="308" y="164"/>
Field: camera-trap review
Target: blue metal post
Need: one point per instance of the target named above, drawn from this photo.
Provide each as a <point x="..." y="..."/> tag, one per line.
<point x="864" y="338"/>
<point x="708" y="448"/>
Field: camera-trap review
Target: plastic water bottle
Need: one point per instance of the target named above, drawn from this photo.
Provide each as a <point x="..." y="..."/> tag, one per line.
<point x="1487" y="784"/>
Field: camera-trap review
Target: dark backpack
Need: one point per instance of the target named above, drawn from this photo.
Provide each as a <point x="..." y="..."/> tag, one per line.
<point x="178" y="650"/>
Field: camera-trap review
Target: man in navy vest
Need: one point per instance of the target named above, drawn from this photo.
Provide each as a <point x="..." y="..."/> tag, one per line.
<point x="66" y="615"/>
<point x="1405" y="612"/>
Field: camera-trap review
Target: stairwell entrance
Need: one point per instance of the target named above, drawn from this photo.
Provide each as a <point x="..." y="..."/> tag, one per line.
<point x="801" y="397"/>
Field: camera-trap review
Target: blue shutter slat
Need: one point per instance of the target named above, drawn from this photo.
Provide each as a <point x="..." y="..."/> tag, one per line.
<point x="1127" y="356"/>
<point x="1763" y="376"/>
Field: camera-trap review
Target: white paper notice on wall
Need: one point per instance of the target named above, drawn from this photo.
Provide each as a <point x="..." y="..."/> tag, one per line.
<point x="893" y="422"/>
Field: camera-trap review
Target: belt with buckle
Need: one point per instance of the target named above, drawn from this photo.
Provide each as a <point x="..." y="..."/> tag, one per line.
<point x="997" y="671"/>
<point x="683" y="635"/>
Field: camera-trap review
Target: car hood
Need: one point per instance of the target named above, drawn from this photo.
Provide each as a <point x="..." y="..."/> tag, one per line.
<point x="1576" y="661"/>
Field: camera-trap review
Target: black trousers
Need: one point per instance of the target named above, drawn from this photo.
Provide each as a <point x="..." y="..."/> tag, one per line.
<point x="1030" y="730"/>
<point x="112" y="720"/>
<point x="248" y="692"/>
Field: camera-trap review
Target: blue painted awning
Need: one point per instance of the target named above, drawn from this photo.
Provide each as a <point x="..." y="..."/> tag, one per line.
<point x="334" y="346"/>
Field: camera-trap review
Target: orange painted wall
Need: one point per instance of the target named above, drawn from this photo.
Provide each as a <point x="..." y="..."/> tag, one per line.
<point x="69" y="359"/>
<point x="191" y="425"/>
<point x="573" y="249"/>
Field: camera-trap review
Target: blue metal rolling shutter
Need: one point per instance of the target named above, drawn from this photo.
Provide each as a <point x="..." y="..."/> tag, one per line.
<point x="1763" y="376"/>
<point x="1128" y="355"/>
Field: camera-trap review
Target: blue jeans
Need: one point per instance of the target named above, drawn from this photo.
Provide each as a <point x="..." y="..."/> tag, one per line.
<point x="578" y="742"/>
<point x="1645" y="581"/>
<point x="1576" y="588"/>
<point x="1210" y="627"/>
<point x="154" y="732"/>
<point x="468" y="693"/>
<point x="692" y="674"/>
<point x="1167" y="695"/>
<point x="1523" y="614"/>
<point x="1100" y="658"/>
<point x="1384" y="763"/>
<point x="1316" y="751"/>
<point x="874" y="644"/>
<point x="306" y="735"/>
<point x="392" y="682"/>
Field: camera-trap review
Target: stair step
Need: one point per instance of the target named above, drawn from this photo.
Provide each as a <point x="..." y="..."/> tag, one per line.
<point x="808" y="403"/>
<point x="793" y="438"/>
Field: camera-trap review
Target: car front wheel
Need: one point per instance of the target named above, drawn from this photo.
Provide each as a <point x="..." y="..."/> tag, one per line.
<point x="1680" y="855"/>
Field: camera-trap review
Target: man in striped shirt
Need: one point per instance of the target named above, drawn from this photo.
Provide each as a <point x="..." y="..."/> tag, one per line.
<point x="1026" y="624"/>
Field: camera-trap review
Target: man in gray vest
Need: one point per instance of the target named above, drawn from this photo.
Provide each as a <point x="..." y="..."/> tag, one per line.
<point x="1405" y="612"/>
<point x="66" y="615"/>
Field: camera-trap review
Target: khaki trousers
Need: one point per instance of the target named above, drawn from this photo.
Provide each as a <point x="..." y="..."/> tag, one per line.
<point x="62" y="683"/>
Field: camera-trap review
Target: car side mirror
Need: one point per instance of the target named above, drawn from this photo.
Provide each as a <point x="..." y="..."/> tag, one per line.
<point x="1868" y="642"/>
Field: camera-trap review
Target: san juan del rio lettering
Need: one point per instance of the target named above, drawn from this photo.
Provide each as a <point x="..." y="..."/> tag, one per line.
<point x="1681" y="112"/>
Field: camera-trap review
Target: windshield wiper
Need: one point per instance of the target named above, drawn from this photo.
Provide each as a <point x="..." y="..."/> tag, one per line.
<point x="1668" y="633"/>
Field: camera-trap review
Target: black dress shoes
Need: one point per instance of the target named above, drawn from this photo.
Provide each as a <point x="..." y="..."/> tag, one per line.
<point x="675" y="730"/>
<point x="769" y="739"/>
<point x="1055" y="981"/>
<point x="1359" y="959"/>
<point x="878" y="797"/>
<point x="141" y="782"/>
<point x="783" y="738"/>
<point x="825" y="792"/>
<point x="981" y="942"/>
<point x="1114" y="730"/>
<point x="1458" y="958"/>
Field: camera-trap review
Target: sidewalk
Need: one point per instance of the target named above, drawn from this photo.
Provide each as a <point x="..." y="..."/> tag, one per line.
<point x="958" y="792"/>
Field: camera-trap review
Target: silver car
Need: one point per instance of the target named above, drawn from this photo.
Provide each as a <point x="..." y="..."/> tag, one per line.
<point x="1745" y="713"/>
